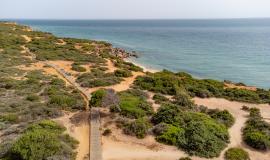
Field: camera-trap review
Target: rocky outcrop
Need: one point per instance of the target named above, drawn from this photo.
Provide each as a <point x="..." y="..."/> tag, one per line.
<point x="119" y="52"/>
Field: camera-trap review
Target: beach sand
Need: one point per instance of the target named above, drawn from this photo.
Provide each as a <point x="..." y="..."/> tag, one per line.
<point x="145" y="69"/>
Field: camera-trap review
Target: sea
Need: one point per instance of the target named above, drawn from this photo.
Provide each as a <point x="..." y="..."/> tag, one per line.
<point x="223" y="49"/>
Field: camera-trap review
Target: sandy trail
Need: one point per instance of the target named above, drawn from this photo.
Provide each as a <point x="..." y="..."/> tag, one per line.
<point x="46" y="69"/>
<point x="124" y="85"/>
<point x="229" y="85"/>
<point x="65" y="65"/>
<point x="78" y="131"/>
<point x="27" y="38"/>
<point x="61" y="42"/>
<point x="113" y="150"/>
<point x="150" y="99"/>
<point x="111" y="67"/>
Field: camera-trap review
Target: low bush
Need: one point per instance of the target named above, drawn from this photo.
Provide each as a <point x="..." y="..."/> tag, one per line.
<point x="98" y="78"/>
<point x="122" y="73"/>
<point x="172" y="136"/>
<point x="127" y="65"/>
<point x="10" y="118"/>
<point x="107" y="132"/>
<point x="32" y="97"/>
<point x="236" y="154"/>
<point x="196" y="133"/>
<point x="166" y="82"/>
<point x="42" y="141"/>
<point x="78" y="68"/>
<point x="185" y="158"/>
<point x="104" y="98"/>
<point x="96" y="98"/>
<point x="159" y="98"/>
<point x="133" y="105"/>
<point x="183" y="99"/>
<point x="223" y="117"/>
<point x="138" y="127"/>
<point x="62" y="101"/>
<point x="257" y="132"/>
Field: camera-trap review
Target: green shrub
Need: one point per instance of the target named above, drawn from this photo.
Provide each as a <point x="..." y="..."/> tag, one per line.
<point x="127" y="65"/>
<point x="11" y="118"/>
<point x="185" y="158"/>
<point x="236" y="154"/>
<point x="242" y="95"/>
<point x="196" y="133"/>
<point x="172" y="136"/>
<point x="41" y="141"/>
<point x="98" y="78"/>
<point x="205" y="138"/>
<point x="78" y="68"/>
<point x="107" y="132"/>
<point x="184" y="100"/>
<point x="104" y="98"/>
<point x="257" y="132"/>
<point x="36" y="145"/>
<point x="166" y="82"/>
<point x="257" y="140"/>
<point x="223" y="117"/>
<point x="159" y="98"/>
<point x="32" y="97"/>
<point x="122" y="73"/>
<point x="96" y="98"/>
<point x="161" y="82"/>
<point x="133" y="105"/>
<point x="169" y="114"/>
<point x="137" y="128"/>
<point x="62" y="101"/>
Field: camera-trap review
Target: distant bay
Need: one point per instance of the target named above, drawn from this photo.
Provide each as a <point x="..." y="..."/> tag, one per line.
<point x="231" y="49"/>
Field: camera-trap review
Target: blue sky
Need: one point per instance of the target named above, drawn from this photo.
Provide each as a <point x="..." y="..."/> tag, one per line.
<point x="133" y="9"/>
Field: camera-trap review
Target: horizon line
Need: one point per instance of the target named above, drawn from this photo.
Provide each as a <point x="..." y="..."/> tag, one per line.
<point x="112" y="19"/>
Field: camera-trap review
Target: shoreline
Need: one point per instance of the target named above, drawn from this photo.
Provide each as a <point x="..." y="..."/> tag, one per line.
<point x="145" y="69"/>
<point x="227" y="84"/>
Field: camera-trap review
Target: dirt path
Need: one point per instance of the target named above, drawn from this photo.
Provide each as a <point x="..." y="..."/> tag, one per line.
<point x="27" y="39"/>
<point x="111" y="67"/>
<point x="79" y="131"/>
<point x="124" y="85"/>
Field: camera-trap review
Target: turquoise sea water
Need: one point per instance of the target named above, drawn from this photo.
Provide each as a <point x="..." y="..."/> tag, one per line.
<point x="236" y="50"/>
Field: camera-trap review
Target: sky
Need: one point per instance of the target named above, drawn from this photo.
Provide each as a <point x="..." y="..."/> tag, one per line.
<point x="133" y="9"/>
